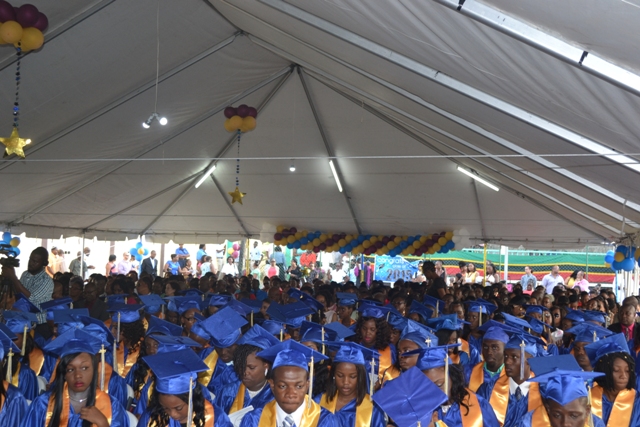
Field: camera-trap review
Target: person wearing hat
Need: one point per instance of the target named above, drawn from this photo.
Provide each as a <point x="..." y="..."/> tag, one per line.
<point x="23" y="377"/>
<point x="492" y="367"/>
<point x="514" y="395"/>
<point x="585" y="334"/>
<point x="463" y="406"/>
<point x="414" y="336"/>
<point x="75" y="396"/>
<point x="13" y="405"/>
<point x="290" y="382"/>
<point x="50" y="360"/>
<point x="565" y="398"/>
<point x="128" y="330"/>
<point x="373" y="331"/>
<point x="177" y="399"/>
<point x="614" y="398"/>
<point x="347" y="395"/>
<point x="478" y="313"/>
<point x="346" y="306"/>
<point x="33" y="347"/>
<point x="448" y="330"/>
<point x="252" y="388"/>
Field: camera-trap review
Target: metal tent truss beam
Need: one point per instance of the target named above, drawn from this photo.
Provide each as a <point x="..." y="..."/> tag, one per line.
<point x="127" y="97"/>
<point x="187" y="126"/>
<point x="465" y="123"/>
<point x="453" y="84"/>
<point x="424" y="140"/>
<point x="221" y="153"/>
<point x="330" y="151"/>
<point x="554" y="46"/>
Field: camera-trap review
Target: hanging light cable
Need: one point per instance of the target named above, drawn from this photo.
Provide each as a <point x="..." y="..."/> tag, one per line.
<point x="155" y="116"/>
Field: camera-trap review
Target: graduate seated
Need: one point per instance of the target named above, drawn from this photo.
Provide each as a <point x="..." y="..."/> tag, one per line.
<point x="492" y="367"/>
<point x="13" y="405"/>
<point x="22" y="376"/>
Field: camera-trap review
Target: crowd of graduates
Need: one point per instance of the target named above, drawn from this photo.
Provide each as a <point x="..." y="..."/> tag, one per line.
<point x="232" y="352"/>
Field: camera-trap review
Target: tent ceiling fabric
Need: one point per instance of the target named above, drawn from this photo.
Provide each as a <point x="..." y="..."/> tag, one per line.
<point x="93" y="168"/>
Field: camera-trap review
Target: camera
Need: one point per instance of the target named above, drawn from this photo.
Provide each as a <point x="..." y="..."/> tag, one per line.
<point x="10" y="254"/>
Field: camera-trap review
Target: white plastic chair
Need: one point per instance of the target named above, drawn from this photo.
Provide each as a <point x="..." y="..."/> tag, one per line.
<point x="133" y="421"/>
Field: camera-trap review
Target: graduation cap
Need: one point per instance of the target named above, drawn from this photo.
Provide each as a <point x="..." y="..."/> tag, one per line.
<point x="446" y="321"/>
<point x="496" y="333"/>
<point x="259" y="337"/>
<point x="74" y="341"/>
<point x="159" y="326"/>
<point x="341" y="330"/>
<point x="435" y="357"/>
<point x="240" y="308"/>
<point x="124" y="313"/>
<point x="69" y="318"/>
<point x="594" y="316"/>
<point x="419" y="334"/>
<point x="224" y="327"/>
<point x="186" y="303"/>
<point x="410" y="399"/>
<point x="515" y="322"/>
<point x="397" y="322"/>
<point x="346" y="299"/>
<point x="539" y="309"/>
<point x="374" y="311"/>
<point x="435" y="303"/>
<point x="116" y="299"/>
<point x="292" y="353"/>
<point x="612" y="344"/>
<point x="420" y="309"/>
<point x="526" y="344"/>
<point x="169" y="343"/>
<point x="560" y="385"/>
<point x="307" y="299"/>
<point x="23" y="304"/>
<point x="537" y="326"/>
<point x="7" y="346"/>
<point x="375" y="302"/>
<point x="20" y="322"/>
<point x="177" y="373"/>
<point x="219" y="300"/>
<point x="152" y="303"/>
<point x="588" y="332"/>
<point x="480" y="306"/>
<point x="310" y="331"/>
<point x="57" y="304"/>
<point x="492" y="323"/>
<point x="565" y="362"/>
<point x="274" y="327"/>
<point x="575" y="316"/>
<point x="349" y="352"/>
<point x="193" y="292"/>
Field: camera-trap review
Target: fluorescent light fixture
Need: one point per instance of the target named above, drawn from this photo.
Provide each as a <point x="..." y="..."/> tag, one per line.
<point x="477" y="178"/>
<point x="205" y="176"/>
<point x="292" y="168"/>
<point x="335" y="175"/>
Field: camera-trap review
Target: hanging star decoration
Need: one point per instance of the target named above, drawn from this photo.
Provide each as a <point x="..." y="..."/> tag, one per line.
<point x="236" y="195"/>
<point x="14" y="144"/>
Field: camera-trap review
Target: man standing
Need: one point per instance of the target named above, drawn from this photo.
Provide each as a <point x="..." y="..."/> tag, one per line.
<point x="52" y="262"/>
<point x="124" y="266"/>
<point x="183" y="254"/>
<point x="34" y="283"/>
<point x="220" y="251"/>
<point x="150" y="265"/>
<point x="527" y="279"/>
<point x="255" y="254"/>
<point x="77" y="266"/>
<point x="552" y="280"/>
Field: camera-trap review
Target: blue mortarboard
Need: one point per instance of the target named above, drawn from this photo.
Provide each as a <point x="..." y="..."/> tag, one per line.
<point x="341" y="330"/>
<point x="410" y="399"/>
<point x="259" y="337"/>
<point x="254" y="304"/>
<point x="418" y="334"/>
<point x="159" y="326"/>
<point x="176" y="371"/>
<point x="187" y="303"/>
<point x="535" y="308"/>
<point x="98" y="329"/>
<point x="291" y="353"/>
<point x="575" y="316"/>
<point x="374" y="311"/>
<point x="274" y="327"/>
<point x="491" y="323"/>
<point x="296" y="313"/>
<point x="564" y="386"/>
<point x="353" y="353"/>
<point x="593" y="316"/>
<point x="446" y="321"/>
<point x="496" y="333"/>
<point x="17" y="320"/>
<point x="397" y="322"/>
<point x="5" y="330"/>
<point x="611" y="344"/>
<point x="199" y="330"/>
<point x="224" y="327"/>
<point x="538" y="326"/>
<point x="435" y="303"/>
<point x="530" y="343"/>
<point x="240" y="308"/>
<point x="219" y="300"/>
<point x="23" y="304"/>
<point x="544" y="365"/>
<point x="346" y="299"/>
<point x="375" y="302"/>
<point x="515" y="322"/>
<point x="169" y="343"/>
<point x="313" y="332"/>
<point x="129" y="313"/>
<point x="69" y="319"/>
<point x="57" y="304"/>
<point x="192" y="292"/>
<point x="421" y="309"/>
<point x="117" y="299"/>
<point x="74" y="341"/>
<point x="172" y="304"/>
<point x="588" y="332"/>
<point x="432" y="357"/>
<point x="152" y="303"/>
<point x="307" y="299"/>
<point x="481" y="306"/>
<point x="6" y="342"/>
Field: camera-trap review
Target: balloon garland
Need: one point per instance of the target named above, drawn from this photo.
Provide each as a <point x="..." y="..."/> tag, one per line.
<point x="21" y="26"/>
<point x="139" y="251"/>
<point x="234" y="251"/>
<point x="366" y="244"/>
<point x="624" y="258"/>
<point x="9" y="245"/>
<point x="240" y="120"/>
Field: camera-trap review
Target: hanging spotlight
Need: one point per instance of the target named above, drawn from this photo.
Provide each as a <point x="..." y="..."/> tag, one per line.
<point x="154" y="116"/>
<point x="292" y="168"/>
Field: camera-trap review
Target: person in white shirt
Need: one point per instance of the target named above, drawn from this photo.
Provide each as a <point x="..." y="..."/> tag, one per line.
<point x="338" y="274"/>
<point x="552" y="279"/>
<point x="528" y="277"/>
<point x="255" y="254"/>
<point x="124" y="266"/>
<point x="230" y="267"/>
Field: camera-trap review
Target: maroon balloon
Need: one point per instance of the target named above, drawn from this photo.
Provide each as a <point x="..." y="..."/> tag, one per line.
<point x="335" y="237"/>
<point x="385" y="240"/>
<point x="252" y="112"/>
<point x="285" y="233"/>
<point x="329" y="242"/>
<point x="243" y="110"/>
<point x="316" y="249"/>
<point x="6" y="12"/>
<point x="323" y="246"/>
<point x="27" y="15"/>
<point x="230" y="112"/>
<point x="428" y="244"/>
<point x="293" y="230"/>
<point x="379" y="244"/>
<point x="277" y="236"/>
<point x="42" y="23"/>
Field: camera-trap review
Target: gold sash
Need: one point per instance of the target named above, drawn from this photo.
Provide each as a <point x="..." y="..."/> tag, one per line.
<point x="385" y="361"/>
<point x="477" y="376"/>
<point x="211" y="361"/>
<point x="364" y="411"/>
<point x="238" y="402"/>
<point x="390" y="374"/>
<point x="36" y="360"/>
<point x="310" y="417"/>
<point x="622" y="408"/>
<point x="14" y="379"/>
<point x="132" y="358"/>
<point x="103" y="404"/>
<point x="473" y="417"/>
<point x="500" y="397"/>
<point x="540" y="418"/>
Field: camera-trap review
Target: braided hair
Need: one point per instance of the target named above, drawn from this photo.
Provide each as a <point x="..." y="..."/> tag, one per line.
<point x="141" y="369"/>
<point x="383" y="331"/>
<point x="243" y="351"/>
<point x="605" y="365"/>
<point x="159" y="418"/>
<point x="133" y="332"/>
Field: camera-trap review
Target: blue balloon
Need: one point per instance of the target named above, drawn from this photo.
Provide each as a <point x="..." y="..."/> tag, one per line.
<point x="296" y="245"/>
<point x="444" y="250"/>
<point x="15" y="251"/>
<point x="139" y="257"/>
<point x="290" y="245"/>
<point x="304" y="241"/>
<point x="361" y="239"/>
<point x="133" y="251"/>
<point x="6" y="237"/>
<point x="608" y="258"/>
<point x="628" y="264"/>
<point x="138" y="245"/>
<point x="411" y="239"/>
<point x="342" y="250"/>
<point x="615" y="265"/>
<point x="404" y="244"/>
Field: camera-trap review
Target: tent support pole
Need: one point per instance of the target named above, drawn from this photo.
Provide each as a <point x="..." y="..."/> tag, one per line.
<point x="330" y="152"/>
<point x="84" y="234"/>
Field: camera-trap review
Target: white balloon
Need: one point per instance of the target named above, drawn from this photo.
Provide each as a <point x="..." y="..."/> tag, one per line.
<point x="464" y="232"/>
<point x="456" y="231"/>
<point x="456" y="239"/>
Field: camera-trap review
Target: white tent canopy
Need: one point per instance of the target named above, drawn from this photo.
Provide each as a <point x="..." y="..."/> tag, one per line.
<point x="398" y="94"/>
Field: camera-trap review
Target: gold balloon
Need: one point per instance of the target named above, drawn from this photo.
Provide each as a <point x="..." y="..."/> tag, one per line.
<point x="448" y="235"/>
<point x="235" y="123"/>
<point x="14" y="242"/>
<point x="11" y="32"/>
<point x="248" y="124"/>
<point x="32" y="39"/>
<point x="619" y="257"/>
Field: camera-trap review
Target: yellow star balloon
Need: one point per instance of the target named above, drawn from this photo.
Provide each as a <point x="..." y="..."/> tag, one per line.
<point x="236" y="196"/>
<point x="14" y="144"/>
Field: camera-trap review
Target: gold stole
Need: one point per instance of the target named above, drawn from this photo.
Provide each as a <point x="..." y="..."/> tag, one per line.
<point x="540" y="418"/>
<point x="132" y="357"/>
<point x="14" y="379"/>
<point x="390" y="374"/>
<point x="364" y="411"/>
<point x="473" y="418"/>
<point x="211" y="361"/>
<point x="209" y="414"/>
<point x="464" y="348"/>
<point x="477" y="377"/>
<point x="622" y="407"/>
<point x="36" y="360"/>
<point x="103" y="404"/>
<point x="238" y="402"/>
<point x="500" y="397"/>
<point x="310" y="417"/>
<point x="385" y="361"/>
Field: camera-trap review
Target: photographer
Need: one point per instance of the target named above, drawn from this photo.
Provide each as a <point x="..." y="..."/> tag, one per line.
<point x="34" y="283"/>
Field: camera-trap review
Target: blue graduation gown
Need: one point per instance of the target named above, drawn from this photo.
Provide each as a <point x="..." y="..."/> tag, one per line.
<point x="14" y="408"/>
<point x="37" y="414"/>
<point x="223" y="374"/>
<point x="607" y="405"/>
<point x="27" y="382"/>
<point x="141" y="404"/>
<point x="118" y="389"/>
<point x="346" y="417"/>
<point x="489" y="378"/>
<point x="220" y="419"/>
<point x="515" y="411"/>
<point x="48" y="366"/>
<point x="252" y="419"/>
<point x="226" y="396"/>
<point x="453" y="417"/>
<point x="526" y="421"/>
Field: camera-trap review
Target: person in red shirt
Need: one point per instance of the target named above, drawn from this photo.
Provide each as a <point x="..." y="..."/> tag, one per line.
<point x="307" y="258"/>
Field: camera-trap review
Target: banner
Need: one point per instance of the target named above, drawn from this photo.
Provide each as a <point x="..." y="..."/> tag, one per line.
<point x="390" y="269"/>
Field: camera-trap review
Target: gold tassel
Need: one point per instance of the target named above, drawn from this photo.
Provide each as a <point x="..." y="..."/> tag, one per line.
<point x="190" y="411"/>
<point x="102" y="361"/>
<point x="24" y="340"/>
<point x="446" y="374"/>
<point x="310" y="383"/>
